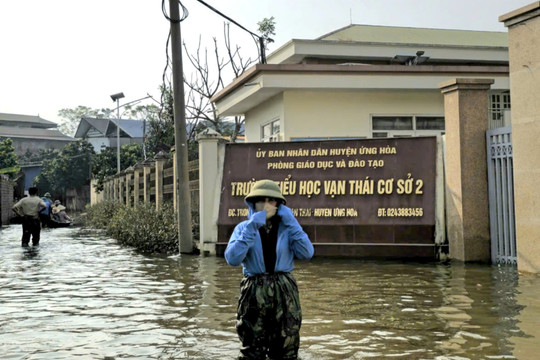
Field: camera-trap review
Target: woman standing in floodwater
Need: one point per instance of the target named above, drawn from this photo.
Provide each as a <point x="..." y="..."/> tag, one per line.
<point x="269" y="316"/>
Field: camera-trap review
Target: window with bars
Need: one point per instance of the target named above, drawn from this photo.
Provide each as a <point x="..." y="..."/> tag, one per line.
<point x="499" y="101"/>
<point x="406" y="125"/>
<point x="270" y="131"/>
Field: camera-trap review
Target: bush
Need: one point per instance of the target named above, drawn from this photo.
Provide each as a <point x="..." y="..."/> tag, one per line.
<point x="100" y="215"/>
<point x="143" y="227"/>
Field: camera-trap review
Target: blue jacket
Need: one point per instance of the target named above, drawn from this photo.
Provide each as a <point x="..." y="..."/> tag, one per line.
<point x="47" y="210"/>
<point x="245" y="245"/>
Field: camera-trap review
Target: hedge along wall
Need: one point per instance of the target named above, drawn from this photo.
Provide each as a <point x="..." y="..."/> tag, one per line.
<point x="6" y="199"/>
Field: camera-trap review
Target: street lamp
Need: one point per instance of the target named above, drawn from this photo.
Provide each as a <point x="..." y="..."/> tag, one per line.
<point x="117" y="97"/>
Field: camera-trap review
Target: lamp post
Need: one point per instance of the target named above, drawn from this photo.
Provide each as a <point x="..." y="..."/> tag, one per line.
<point x="117" y="97"/>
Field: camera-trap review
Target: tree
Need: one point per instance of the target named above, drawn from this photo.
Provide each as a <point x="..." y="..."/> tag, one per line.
<point x="33" y="157"/>
<point x="267" y="27"/>
<point x="70" y="118"/>
<point x="207" y="80"/>
<point x="160" y="135"/>
<point x="67" y="167"/>
<point x="160" y="130"/>
<point x="8" y="157"/>
<point x="104" y="164"/>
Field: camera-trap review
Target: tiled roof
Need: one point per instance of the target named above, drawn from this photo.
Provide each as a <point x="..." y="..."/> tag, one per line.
<point x="412" y="35"/>
<point x="33" y="133"/>
<point x="107" y="127"/>
<point x="25" y="120"/>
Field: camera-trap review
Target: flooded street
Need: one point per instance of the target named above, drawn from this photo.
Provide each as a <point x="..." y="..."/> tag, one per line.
<point x="81" y="296"/>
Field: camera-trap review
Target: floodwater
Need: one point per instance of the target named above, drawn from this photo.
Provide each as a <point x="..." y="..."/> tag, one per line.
<point x="81" y="296"/>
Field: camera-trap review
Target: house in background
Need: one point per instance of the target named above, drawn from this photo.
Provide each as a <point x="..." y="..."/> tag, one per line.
<point x="365" y="82"/>
<point x="31" y="133"/>
<point x="102" y="132"/>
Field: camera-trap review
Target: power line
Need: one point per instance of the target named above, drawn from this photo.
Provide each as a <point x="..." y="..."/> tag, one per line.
<point x="260" y="38"/>
<point x="228" y="18"/>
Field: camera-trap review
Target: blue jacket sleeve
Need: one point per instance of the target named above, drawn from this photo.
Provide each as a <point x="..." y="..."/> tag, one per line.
<point x="300" y="244"/>
<point x="243" y="238"/>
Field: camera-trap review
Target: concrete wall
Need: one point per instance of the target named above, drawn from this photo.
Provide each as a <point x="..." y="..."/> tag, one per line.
<point x="524" y="31"/>
<point x="34" y="145"/>
<point x="95" y="197"/>
<point x="6" y="200"/>
<point x="77" y="198"/>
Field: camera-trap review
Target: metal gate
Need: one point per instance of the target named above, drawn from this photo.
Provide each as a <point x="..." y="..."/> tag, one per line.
<point x="501" y="195"/>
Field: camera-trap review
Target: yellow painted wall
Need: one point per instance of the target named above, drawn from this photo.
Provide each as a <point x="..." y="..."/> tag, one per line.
<point x="270" y="110"/>
<point x="323" y="114"/>
<point x="337" y="114"/>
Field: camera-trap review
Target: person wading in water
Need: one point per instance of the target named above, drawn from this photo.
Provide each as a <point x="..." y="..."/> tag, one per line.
<point x="29" y="208"/>
<point x="269" y="316"/>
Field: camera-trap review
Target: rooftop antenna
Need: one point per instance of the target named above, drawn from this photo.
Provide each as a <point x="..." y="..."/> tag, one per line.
<point x="350" y="16"/>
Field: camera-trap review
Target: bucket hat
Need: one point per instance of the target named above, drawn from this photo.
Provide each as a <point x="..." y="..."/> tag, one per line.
<point x="58" y="208"/>
<point x="265" y="188"/>
<point x="47" y="195"/>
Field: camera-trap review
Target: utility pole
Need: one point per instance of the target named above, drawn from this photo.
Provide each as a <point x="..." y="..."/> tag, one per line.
<point x="116" y="97"/>
<point x="180" y="137"/>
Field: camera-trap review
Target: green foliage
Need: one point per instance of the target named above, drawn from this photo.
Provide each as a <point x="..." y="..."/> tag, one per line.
<point x="267" y="27"/>
<point x="10" y="170"/>
<point x="8" y="157"/>
<point x="66" y="167"/>
<point x="105" y="164"/>
<point x="160" y="135"/>
<point x="44" y="185"/>
<point x="101" y="214"/>
<point x="32" y="157"/>
<point x="143" y="227"/>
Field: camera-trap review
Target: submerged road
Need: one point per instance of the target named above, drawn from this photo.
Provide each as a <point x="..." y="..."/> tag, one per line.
<point x="79" y="295"/>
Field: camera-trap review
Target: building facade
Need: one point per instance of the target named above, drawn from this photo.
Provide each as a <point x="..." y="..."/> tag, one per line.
<point x="365" y="82"/>
<point x="31" y="133"/>
<point x="102" y="133"/>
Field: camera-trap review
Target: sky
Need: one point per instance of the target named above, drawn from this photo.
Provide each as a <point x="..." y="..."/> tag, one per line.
<point x="57" y="54"/>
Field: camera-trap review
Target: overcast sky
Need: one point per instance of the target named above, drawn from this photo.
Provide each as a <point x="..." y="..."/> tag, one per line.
<point x="58" y="54"/>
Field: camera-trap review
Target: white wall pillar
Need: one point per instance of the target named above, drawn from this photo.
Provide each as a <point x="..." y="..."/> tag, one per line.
<point x="210" y="175"/>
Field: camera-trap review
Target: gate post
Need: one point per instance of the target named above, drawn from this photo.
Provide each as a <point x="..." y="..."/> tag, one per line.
<point x="209" y="179"/>
<point x="129" y="173"/>
<point x="115" y="187"/>
<point x="161" y="158"/>
<point x="121" y="191"/>
<point x="466" y="103"/>
<point x="146" y="173"/>
<point x="136" y="183"/>
<point x="110" y="188"/>
<point x="523" y="33"/>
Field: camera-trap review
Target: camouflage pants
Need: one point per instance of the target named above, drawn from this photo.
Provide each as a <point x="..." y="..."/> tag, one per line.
<point x="269" y="317"/>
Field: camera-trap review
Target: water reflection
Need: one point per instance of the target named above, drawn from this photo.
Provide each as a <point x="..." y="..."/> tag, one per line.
<point x="80" y="295"/>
